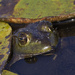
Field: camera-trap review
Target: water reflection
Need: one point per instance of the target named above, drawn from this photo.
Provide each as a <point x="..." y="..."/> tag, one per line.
<point x="31" y="60"/>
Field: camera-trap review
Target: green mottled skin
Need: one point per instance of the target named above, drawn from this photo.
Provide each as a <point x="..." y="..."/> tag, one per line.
<point x="5" y="37"/>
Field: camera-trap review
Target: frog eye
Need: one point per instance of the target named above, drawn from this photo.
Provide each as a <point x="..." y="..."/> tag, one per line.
<point x="23" y="39"/>
<point x="45" y="28"/>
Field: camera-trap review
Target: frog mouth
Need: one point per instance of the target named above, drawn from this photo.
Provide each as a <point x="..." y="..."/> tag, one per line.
<point x="44" y="50"/>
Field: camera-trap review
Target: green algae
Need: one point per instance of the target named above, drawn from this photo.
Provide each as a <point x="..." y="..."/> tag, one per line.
<point x="42" y="8"/>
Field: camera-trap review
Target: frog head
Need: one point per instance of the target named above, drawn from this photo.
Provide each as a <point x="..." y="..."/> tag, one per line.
<point x="35" y="39"/>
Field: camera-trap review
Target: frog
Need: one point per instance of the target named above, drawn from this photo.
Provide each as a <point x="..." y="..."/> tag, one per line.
<point x="35" y="39"/>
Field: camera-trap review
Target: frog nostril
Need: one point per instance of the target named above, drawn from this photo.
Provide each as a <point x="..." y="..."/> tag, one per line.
<point x="37" y="41"/>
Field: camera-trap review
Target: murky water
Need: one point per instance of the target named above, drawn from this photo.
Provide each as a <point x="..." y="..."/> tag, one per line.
<point x="64" y="64"/>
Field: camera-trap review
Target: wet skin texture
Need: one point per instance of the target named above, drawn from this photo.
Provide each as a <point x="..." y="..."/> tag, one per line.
<point x="37" y="38"/>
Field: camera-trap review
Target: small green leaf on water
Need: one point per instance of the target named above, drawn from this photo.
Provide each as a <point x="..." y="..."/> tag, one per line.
<point x="6" y="72"/>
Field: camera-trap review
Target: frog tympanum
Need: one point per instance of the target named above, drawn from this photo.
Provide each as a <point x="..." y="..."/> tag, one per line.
<point x="37" y="38"/>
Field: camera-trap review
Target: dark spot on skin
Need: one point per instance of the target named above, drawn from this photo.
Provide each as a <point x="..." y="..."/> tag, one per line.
<point x="1" y="56"/>
<point x="0" y="42"/>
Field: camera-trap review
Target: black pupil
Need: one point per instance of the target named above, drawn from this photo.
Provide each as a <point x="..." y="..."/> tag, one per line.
<point x="22" y="39"/>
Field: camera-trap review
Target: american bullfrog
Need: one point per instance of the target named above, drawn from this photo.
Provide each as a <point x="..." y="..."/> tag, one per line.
<point x="37" y="38"/>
